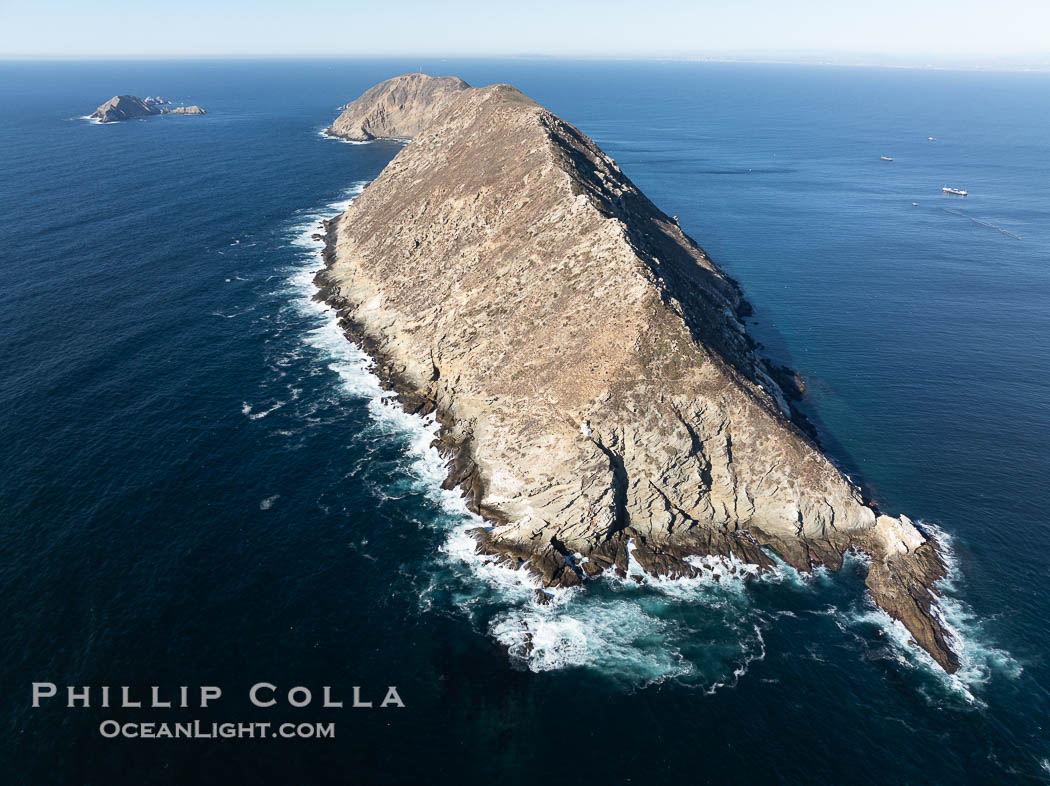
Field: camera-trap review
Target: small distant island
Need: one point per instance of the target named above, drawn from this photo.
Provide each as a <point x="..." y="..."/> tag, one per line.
<point x="126" y="107"/>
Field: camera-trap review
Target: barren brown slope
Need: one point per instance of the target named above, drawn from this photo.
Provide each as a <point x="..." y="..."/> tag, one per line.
<point x="598" y="393"/>
<point x="398" y="108"/>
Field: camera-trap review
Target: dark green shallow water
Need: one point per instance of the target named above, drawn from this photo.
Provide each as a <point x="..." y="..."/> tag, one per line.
<point x="201" y="485"/>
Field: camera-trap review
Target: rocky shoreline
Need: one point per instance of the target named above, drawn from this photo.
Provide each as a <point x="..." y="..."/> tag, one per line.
<point x="463" y="473"/>
<point x="914" y="606"/>
<point x="462" y="470"/>
<point x="696" y="449"/>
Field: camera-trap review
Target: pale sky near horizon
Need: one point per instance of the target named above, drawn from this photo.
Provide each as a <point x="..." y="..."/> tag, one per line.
<point x="958" y="29"/>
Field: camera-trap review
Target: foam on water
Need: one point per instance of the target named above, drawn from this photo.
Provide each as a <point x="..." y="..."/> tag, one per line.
<point x="716" y="574"/>
<point x="617" y="638"/>
<point x="634" y="631"/>
<point x="979" y="659"/>
<point x="246" y="410"/>
<point x="353" y="367"/>
<point x="322" y="133"/>
<point x="741" y="669"/>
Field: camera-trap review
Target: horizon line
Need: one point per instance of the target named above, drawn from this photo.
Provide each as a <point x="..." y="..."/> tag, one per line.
<point x="1028" y="63"/>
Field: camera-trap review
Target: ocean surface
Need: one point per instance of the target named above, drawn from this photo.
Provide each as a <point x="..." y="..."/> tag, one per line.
<point x="203" y="484"/>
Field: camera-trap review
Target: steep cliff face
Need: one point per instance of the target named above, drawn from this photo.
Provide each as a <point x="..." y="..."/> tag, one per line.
<point x="398" y="108"/>
<point x="184" y="110"/>
<point x="601" y="402"/>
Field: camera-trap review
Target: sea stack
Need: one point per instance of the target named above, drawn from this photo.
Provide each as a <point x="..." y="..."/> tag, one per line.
<point x="127" y="107"/>
<point x="600" y="401"/>
<point x="398" y="108"/>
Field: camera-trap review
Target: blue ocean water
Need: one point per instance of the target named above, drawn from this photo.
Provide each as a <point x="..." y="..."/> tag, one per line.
<point x="203" y="485"/>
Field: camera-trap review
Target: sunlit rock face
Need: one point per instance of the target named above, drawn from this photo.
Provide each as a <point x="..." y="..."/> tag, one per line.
<point x="600" y="399"/>
<point x="398" y="108"/>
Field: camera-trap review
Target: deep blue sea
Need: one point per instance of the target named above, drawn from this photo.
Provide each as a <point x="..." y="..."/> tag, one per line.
<point x="202" y="484"/>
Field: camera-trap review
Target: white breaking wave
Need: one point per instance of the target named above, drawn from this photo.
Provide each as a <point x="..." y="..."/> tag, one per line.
<point x="354" y="367"/>
<point x="323" y="135"/>
<point x="246" y="410"/>
<point x="979" y="660"/>
<point x="617" y="638"/>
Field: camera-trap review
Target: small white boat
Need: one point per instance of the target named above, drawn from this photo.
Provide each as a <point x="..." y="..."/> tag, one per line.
<point x="914" y="204"/>
<point x="956" y="191"/>
<point x="931" y="139"/>
<point x="885" y="158"/>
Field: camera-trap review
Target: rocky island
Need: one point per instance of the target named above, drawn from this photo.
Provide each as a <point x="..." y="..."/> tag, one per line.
<point x="601" y="403"/>
<point x="398" y="108"/>
<point x="126" y="107"/>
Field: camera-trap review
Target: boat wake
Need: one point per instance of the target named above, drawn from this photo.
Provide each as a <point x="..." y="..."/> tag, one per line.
<point x="982" y="223"/>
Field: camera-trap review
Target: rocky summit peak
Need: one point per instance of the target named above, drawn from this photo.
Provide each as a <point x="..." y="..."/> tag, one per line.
<point x="397" y="108"/>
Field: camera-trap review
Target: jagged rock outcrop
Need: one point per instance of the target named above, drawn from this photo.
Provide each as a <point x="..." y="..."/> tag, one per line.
<point x="600" y="400"/>
<point x="398" y="108"/>
<point x="184" y="110"/>
<point x="123" y="108"/>
<point x="126" y="107"/>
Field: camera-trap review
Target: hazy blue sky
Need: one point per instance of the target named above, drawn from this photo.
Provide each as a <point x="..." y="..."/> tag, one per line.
<point x="970" y="29"/>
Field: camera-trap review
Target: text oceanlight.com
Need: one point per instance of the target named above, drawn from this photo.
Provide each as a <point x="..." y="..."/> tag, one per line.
<point x="196" y="730"/>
